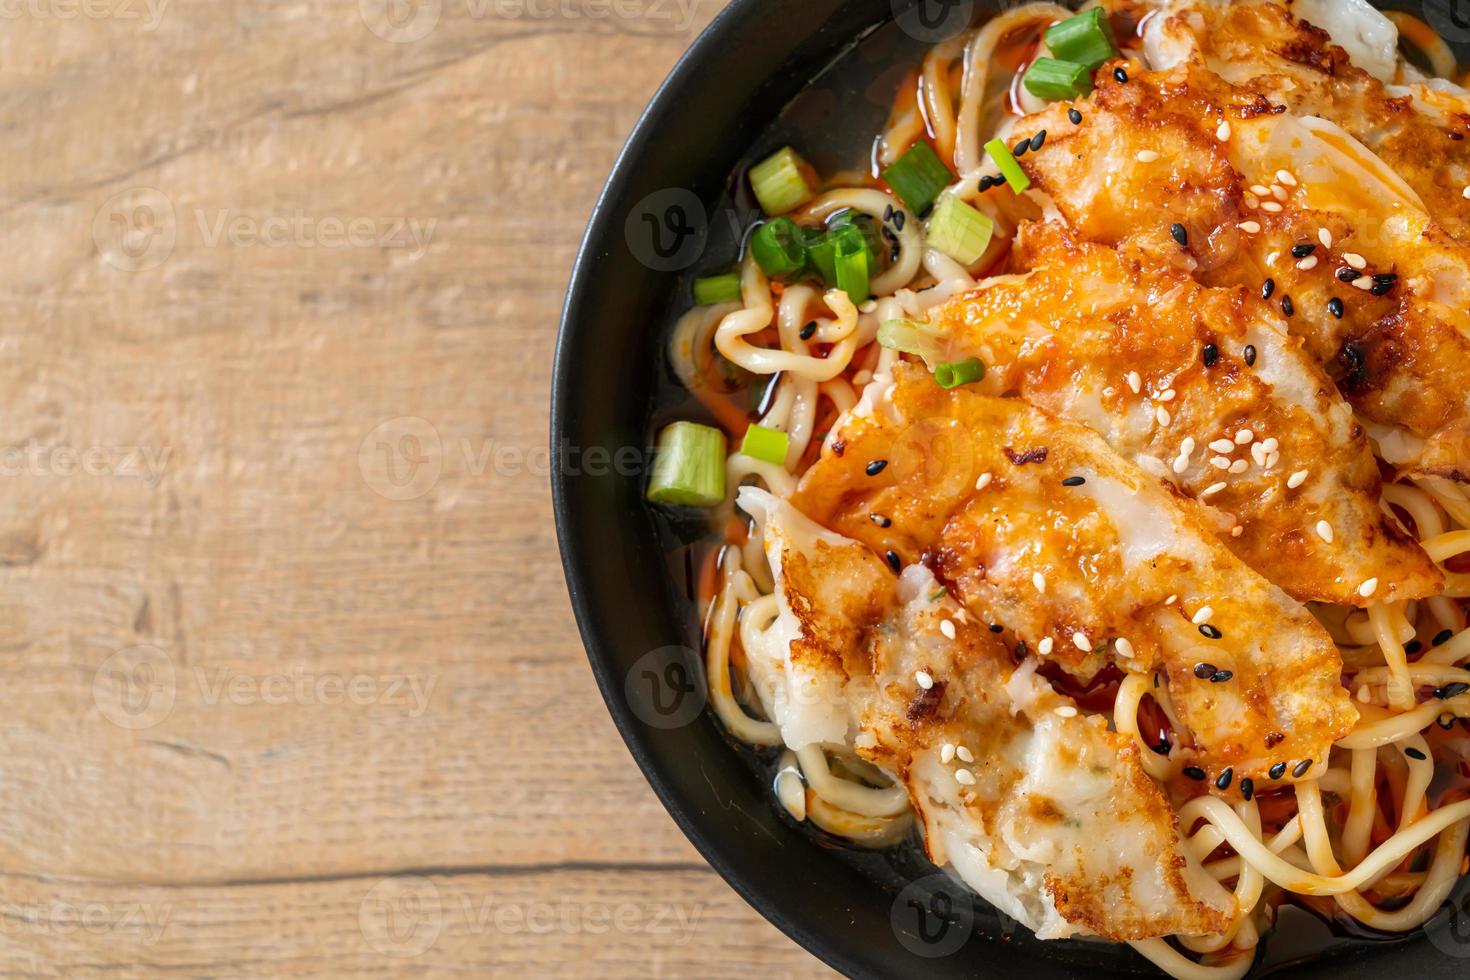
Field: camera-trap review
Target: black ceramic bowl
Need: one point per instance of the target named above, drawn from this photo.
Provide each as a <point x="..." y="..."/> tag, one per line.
<point x="664" y="217"/>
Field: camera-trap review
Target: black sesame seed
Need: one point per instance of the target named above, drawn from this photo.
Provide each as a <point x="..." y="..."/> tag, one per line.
<point x="809" y="331"/>
<point x="986" y="183"/>
<point x="888" y="213"/>
<point x="1019" y="150"/>
<point x="1075" y="116"/>
<point x="1074" y="481"/>
<point x="1250" y="355"/>
<point x="1212" y="355"/>
<point x="1413" y="647"/>
<point x="1414" y="753"/>
<point x="880" y="520"/>
<point x="1382" y="288"/>
<point x="1267" y="288"/>
<point x="1204" y="671"/>
<point x="1277" y="771"/>
<point x="1223" y="783"/>
<point x="894" y="562"/>
<point x="1301" y="768"/>
<point x="1221" y="676"/>
<point x="997" y="628"/>
<point x="877" y="466"/>
<point x="1180" y="233"/>
<point x="1210" y="631"/>
<point x="1120" y="75"/>
<point x="900" y="219"/>
<point x="1443" y="637"/>
<point x="1302" y="251"/>
<point x="1386" y="277"/>
<point x="1038" y="141"/>
<point x="1334" y="306"/>
<point x="1247" y="789"/>
<point x="1349" y="274"/>
<point x="1195" y="773"/>
<point x="1452" y="690"/>
<point x="1161" y="749"/>
<point x="1287" y="306"/>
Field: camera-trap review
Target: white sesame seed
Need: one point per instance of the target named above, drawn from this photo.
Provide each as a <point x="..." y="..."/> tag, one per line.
<point x="1260" y="190"/>
<point x="1237" y="531"/>
<point x="947" y="628"/>
<point x="1271" y="445"/>
<point x="965" y="755"/>
<point x="1203" y="615"/>
<point x="1186" y="447"/>
<point x="1171" y="600"/>
<point x="1125" y="648"/>
<point x="1279" y="192"/>
<point x="1258" y="453"/>
<point x="1271" y="207"/>
<point x="1308" y="263"/>
<point x="1038" y="580"/>
<point x="1181" y="464"/>
<point x="1045" y="646"/>
<point x="923" y="678"/>
<point x="1168" y="395"/>
<point x="984" y="481"/>
<point x="1212" y="489"/>
<point x="1364" y="283"/>
<point x="869" y="307"/>
<point x="1081" y="642"/>
<point x="1239" y="466"/>
<point x="1325" y="532"/>
<point x="1467" y="193"/>
<point x="1365" y="694"/>
<point x="1250" y="227"/>
<point x="946" y="753"/>
<point x="1135" y="382"/>
<point x="1223" y="132"/>
<point x="1325" y="237"/>
<point x="1147" y="156"/>
<point x="964" y="777"/>
<point x="1223" y="446"/>
<point x="1285" y="177"/>
<point x="1065" y="711"/>
<point x="1163" y="416"/>
<point x="1297" y="479"/>
<point x="1355" y="260"/>
<point x="1272" y="459"/>
<point x="1368" y="588"/>
<point x="1244" y="437"/>
<point x="1271" y="259"/>
<point x="1220" y="462"/>
<point x="1251" y="201"/>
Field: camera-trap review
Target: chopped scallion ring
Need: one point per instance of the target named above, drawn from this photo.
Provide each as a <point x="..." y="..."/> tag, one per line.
<point x="779" y="247"/>
<point x="852" y="267"/>
<point x="717" y="289"/>
<point x="960" y="231"/>
<point x="918" y="339"/>
<point x="782" y="182"/>
<point x="767" y="445"/>
<point x="1087" y="39"/>
<point x="1058" y="81"/>
<point x="959" y="373"/>
<point x="689" y="467"/>
<point x="918" y="177"/>
<point x="1009" y="168"/>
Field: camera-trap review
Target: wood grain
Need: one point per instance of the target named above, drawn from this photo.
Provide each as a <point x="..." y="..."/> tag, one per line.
<point x="291" y="683"/>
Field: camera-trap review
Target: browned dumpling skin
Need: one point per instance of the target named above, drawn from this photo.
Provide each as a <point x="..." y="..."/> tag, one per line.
<point x="986" y="492"/>
<point x="1228" y="408"/>
<point x="1047" y="814"/>
<point x="1289" y="207"/>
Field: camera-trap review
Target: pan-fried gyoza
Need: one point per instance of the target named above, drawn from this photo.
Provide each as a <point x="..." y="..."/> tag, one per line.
<point x="1089" y="485"/>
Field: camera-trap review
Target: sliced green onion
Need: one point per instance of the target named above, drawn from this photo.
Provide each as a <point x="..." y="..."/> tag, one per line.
<point x="918" y="177"/>
<point x="781" y="182"/>
<point x="689" y="468"/>
<point x="1058" y="81"/>
<point x="851" y="265"/>
<point x="779" y="247"/>
<point x="918" y="339"/>
<point x="959" y="373"/>
<point x="769" y="445"/>
<point x="717" y="289"/>
<point x="960" y="231"/>
<point x="1009" y="168"/>
<point x="1086" y="39"/>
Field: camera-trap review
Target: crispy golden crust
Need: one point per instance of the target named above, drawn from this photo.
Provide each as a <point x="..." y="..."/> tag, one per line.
<point x="1070" y="569"/>
<point x="1067" y="336"/>
<point x="1402" y="358"/>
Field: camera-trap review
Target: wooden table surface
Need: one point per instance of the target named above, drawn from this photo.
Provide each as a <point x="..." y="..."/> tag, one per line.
<point x="291" y="682"/>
